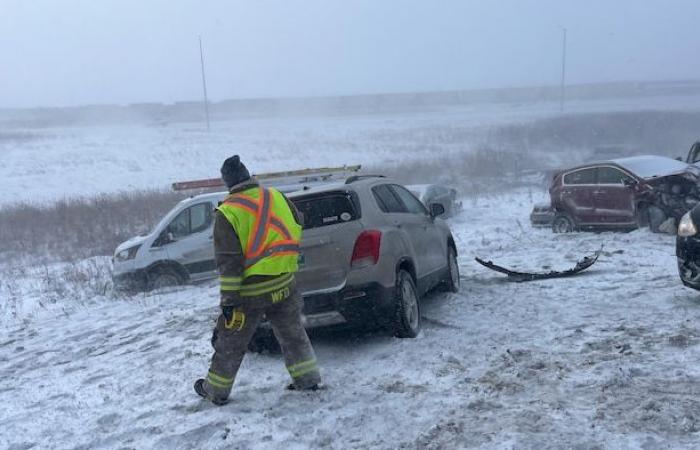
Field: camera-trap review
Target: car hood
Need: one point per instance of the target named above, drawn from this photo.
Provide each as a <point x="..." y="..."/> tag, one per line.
<point x="136" y="240"/>
<point x="650" y="167"/>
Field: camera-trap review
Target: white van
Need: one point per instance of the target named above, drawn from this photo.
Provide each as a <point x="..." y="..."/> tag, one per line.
<point x="179" y="248"/>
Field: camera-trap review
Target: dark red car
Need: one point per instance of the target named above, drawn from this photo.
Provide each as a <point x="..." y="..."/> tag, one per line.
<point x="623" y="193"/>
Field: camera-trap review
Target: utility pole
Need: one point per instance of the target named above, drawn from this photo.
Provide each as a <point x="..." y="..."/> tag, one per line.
<point x="562" y="94"/>
<point x="204" y="83"/>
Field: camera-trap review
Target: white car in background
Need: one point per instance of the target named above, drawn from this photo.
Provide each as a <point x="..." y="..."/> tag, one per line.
<point x="430" y="194"/>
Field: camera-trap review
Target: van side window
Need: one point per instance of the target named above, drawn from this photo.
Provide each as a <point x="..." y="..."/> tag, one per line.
<point x="200" y="217"/>
<point x="386" y="200"/>
<point x="583" y="176"/>
<point x="611" y="175"/>
<point x="413" y="205"/>
<point x="192" y="220"/>
<point x="180" y="226"/>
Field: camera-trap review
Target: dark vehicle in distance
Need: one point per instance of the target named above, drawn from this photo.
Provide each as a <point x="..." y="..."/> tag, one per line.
<point x="542" y="215"/>
<point x="623" y="193"/>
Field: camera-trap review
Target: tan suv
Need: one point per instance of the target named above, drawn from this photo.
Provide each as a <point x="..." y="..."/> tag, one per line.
<point x="370" y="251"/>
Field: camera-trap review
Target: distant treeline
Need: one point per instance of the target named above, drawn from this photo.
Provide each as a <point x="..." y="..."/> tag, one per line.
<point x="189" y="111"/>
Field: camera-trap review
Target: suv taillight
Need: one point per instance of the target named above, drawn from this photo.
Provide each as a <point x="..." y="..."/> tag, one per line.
<point x="366" y="251"/>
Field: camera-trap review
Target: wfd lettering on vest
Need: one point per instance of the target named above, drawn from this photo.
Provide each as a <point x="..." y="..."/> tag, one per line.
<point x="280" y="295"/>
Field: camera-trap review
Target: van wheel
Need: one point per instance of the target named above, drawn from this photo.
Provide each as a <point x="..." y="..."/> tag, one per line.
<point x="451" y="283"/>
<point x="563" y="223"/>
<point x="407" y="319"/>
<point x="163" y="277"/>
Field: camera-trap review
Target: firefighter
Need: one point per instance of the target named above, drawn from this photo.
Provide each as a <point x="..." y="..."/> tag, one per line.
<point x="256" y="243"/>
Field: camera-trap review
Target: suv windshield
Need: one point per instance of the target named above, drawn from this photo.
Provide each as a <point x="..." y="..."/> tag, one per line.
<point x="325" y="209"/>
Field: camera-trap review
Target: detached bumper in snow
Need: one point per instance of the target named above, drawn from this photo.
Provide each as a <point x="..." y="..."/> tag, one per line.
<point x="513" y="275"/>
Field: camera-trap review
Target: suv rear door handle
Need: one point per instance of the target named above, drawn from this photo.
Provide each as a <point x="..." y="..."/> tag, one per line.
<point x="397" y="224"/>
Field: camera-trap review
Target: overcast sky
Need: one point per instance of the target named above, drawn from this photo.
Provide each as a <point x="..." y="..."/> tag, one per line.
<point x="69" y="52"/>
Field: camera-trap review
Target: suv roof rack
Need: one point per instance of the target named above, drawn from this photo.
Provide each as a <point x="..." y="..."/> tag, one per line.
<point x="287" y="178"/>
<point x="354" y="178"/>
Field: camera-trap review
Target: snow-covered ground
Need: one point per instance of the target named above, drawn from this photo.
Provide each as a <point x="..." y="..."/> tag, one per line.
<point x="47" y="164"/>
<point x="607" y="359"/>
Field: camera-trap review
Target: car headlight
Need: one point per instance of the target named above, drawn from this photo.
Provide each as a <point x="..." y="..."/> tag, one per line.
<point x="687" y="227"/>
<point x="127" y="254"/>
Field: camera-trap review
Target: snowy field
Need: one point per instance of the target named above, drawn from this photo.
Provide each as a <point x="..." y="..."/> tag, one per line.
<point x="607" y="359"/>
<point x="37" y="165"/>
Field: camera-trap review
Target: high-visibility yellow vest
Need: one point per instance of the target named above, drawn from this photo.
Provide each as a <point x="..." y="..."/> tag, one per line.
<point x="266" y="228"/>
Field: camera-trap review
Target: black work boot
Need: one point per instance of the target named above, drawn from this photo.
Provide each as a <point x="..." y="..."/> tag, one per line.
<point x="199" y="389"/>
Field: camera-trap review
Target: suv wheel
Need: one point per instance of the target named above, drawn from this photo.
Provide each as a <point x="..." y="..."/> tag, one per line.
<point x="563" y="223"/>
<point x="407" y="316"/>
<point x="163" y="277"/>
<point x="451" y="283"/>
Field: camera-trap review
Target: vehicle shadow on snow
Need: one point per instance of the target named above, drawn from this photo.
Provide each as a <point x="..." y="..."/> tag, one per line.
<point x="358" y="336"/>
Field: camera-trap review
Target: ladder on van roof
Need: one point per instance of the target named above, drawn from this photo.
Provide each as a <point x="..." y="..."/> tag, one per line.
<point x="287" y="180"/>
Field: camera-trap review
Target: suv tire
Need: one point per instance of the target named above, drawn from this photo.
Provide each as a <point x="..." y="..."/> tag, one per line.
<point x="451" y="283"/>
<point x="162" y="277"/>
<point x="407" y="320"/>
<point x="563" y="223"/>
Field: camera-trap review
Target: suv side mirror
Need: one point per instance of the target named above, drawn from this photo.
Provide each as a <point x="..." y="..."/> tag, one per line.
<point x="436" y="210"/>
<point x="629" y="182"/>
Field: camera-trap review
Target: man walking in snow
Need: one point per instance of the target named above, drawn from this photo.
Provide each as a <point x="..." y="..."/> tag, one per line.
<point x="256" y="243"/>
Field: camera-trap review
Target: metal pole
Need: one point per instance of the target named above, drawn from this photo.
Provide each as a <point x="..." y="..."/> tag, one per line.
<point x="204" y="83"/>
<point x="562" y="95"/>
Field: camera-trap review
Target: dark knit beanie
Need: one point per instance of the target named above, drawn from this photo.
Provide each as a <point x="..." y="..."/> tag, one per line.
<point x="233" y="171"/>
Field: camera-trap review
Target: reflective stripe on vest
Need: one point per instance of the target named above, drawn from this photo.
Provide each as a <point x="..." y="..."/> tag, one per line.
<point x="267" y="230"/>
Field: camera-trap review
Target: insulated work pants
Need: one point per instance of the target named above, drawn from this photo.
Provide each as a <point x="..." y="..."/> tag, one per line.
<point x="235" y="327"/>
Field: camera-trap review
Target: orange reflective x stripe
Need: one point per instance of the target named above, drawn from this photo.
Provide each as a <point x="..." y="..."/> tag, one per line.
<point x="264" y="221"/>
<point x="260" y="225"/>
<point x="251" y="205"/>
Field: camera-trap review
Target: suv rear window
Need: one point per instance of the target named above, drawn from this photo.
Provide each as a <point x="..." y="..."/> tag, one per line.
<point x="326" y="209"/>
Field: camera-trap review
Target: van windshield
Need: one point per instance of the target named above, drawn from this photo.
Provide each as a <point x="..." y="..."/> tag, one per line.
<point x="329" y="208"/>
